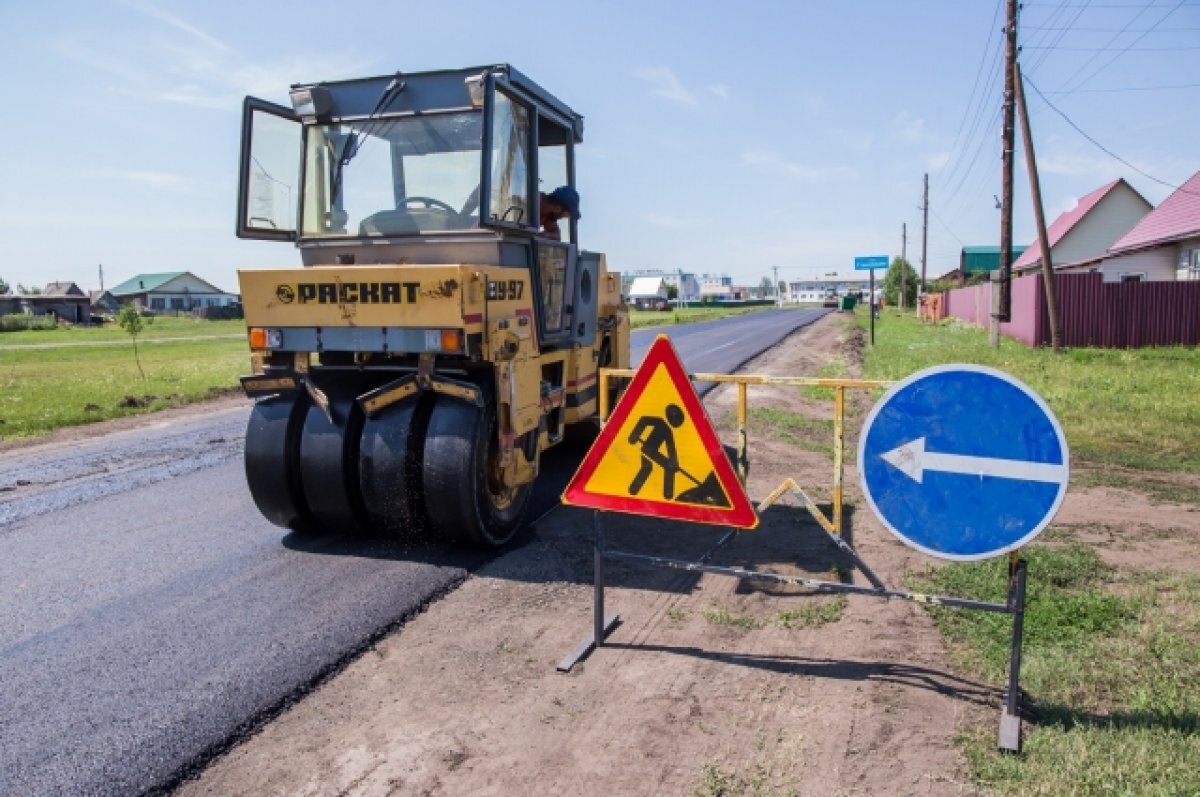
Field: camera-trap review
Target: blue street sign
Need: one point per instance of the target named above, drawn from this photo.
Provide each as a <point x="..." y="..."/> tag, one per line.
<point x="870" y="262"/>
<point x="963" y="462"/>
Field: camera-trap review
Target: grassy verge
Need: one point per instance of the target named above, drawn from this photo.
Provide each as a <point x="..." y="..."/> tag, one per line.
<point x="42" y="389"/>
<point x="686" y="315"/>
<point x="162" y="327"/>
<point x="1133" y="408"/>
<point x="1110" y="662"/>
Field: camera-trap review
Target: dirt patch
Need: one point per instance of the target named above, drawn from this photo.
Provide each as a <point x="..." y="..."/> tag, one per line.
<point x="709" y="685"/>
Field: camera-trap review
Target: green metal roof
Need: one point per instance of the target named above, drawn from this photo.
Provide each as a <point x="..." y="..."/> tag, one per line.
<point x="144" y="282"/>
<point x="985" y="258"/>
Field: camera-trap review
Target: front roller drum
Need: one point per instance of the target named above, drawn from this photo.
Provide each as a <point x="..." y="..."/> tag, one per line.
<point x="389" y="467"/>
<point x="464" y="494"/>
<point x="272" y="459"/>
<point x="329" y="447"/>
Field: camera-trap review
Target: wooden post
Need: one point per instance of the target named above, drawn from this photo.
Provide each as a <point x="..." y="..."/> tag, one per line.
<point x="1035" y="187"/>
<point x="1003" y="307"/>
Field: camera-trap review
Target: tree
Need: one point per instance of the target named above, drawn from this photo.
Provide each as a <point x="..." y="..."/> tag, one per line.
<point x="30" y="291"/>
<point x="3" y="286"/>
<point x="891" y="283"/>
<point x="764" y="288"/>
<point x="132" y="322"/>
<point x="672" y="292"/>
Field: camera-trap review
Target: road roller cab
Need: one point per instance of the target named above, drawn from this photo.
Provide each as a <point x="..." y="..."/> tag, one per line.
<point x="434" y="341"/>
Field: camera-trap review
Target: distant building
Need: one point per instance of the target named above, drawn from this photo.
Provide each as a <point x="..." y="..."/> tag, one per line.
<point x="103" y="302"/>
<point x="814" y="290"/>
<point x="179" y="291"/>
<point x="63" y="300"/>
<point x="648" y="293"/>
<point x="1083" y="235"/>
<point x="1164" y="245"/>
<point x="686" y="285"/>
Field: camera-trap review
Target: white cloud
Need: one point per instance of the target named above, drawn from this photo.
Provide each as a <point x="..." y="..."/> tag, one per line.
<point x="177" y="23"/>
<point x="936" y="161"/>
<point x="906" y="127"/>
<point x="772" y="164"/>
<point x="720" y="89"/>
<point x="670" y="222"/>
<point x="177" y="63"/>
<point x="665" y="84"/>
<point x="160" y="181"/>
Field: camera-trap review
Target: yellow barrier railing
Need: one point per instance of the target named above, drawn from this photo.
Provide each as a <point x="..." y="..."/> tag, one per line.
<point x="743" y="381"/>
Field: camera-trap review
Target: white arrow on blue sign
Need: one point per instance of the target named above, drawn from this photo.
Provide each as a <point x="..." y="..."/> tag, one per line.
<point x="963" y="462"/>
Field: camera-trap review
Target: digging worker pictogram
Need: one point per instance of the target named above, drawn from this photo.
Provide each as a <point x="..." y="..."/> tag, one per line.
<point x="656" y="436"/>
<point x="658" y="448"/>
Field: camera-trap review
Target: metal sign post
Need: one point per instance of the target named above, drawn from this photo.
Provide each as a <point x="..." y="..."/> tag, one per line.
<point x="870" y="263"/>
<point x="1030" y="484"/>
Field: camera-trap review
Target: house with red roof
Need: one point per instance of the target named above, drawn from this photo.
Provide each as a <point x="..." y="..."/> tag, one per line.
<point x="1165" y="244"/>
<point x="1081" y="237"/>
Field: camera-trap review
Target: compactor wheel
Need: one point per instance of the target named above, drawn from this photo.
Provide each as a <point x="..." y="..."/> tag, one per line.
<point x="463" y="491"/>
<point x="272" y="459"/>
<point x="329" y="465"/>
<point x="389" y="467"/>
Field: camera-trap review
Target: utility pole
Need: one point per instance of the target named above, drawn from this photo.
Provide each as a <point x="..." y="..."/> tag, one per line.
<point x="924" y="230"/>
<point x="1002" y="293"/>
<point x="1035" y="188"/>
<point x="903" y="263"/>
<point x="681" y="295"/>
<point x="778" y="303"/>
<point x="101" y="267"/>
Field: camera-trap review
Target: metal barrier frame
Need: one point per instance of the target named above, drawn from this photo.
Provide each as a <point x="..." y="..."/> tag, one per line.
<point x="1009" y="737"/>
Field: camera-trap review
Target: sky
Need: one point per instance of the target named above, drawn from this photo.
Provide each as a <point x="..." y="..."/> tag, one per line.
<point x="734" y="138"/>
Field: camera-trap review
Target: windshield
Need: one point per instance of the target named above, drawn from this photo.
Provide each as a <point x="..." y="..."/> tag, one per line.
<point x="398" y="176"/>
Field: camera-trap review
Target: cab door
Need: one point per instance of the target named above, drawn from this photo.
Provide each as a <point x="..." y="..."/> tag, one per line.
<point x="269" y="177"/>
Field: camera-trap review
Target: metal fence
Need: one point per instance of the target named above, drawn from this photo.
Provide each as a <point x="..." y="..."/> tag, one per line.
<point x="1092" y="312"/>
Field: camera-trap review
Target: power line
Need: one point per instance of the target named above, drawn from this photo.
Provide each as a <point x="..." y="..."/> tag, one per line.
<point x="974" y="87"/>
<point x="1100" y="146"/>
<point x="1111" y="49"/>
<point x="1117" y="55"/>
<point x="1127" y="88"/>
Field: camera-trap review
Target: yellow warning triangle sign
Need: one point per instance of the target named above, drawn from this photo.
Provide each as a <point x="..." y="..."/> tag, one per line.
<point x="659" y="455"/>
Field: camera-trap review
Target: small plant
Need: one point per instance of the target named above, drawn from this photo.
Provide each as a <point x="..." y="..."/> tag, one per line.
<point x="726" y="617"/>
<point x="813" y="615"/>
<point x="133" y="323"/>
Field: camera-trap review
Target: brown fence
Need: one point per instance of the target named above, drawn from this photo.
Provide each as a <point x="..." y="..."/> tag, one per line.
<point x="1093" y="312"/>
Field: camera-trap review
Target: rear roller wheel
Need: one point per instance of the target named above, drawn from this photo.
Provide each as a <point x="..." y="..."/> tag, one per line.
<point x="463" y="491"/>
<point x="272" y="459"/>
<point x="329" y="465"/>
<point x="389" y="467"/>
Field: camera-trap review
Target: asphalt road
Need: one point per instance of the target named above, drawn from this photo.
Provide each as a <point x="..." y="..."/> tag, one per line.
<point x="150" y="618"/>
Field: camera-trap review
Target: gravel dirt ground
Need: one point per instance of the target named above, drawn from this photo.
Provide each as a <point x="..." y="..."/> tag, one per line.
<point x="709" y="685"/>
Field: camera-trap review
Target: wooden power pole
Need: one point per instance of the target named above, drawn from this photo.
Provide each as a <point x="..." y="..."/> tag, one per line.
<point x="924" y="230"/>
<point x="1035" y="188"/>
<point x="1002" y="298"/>
<point x="903" y="264"/>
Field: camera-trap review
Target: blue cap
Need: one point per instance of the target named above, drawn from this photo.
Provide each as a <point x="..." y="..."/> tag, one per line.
<point x="566" y="197"/>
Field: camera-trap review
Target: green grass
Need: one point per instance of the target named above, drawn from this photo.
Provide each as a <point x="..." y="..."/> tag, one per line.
<point x="810" y="434"/>
<point x="1134" y="408"/>
<point x="42" y="389"/>
<point x="726" y="617"/>
<point x="162" y="327"/>
<point x="815" y="614"/>
<point x="1110" y="661"/>
<point x="686" y="315"/>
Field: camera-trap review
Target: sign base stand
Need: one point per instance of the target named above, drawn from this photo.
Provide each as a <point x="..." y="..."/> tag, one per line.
<point x="1009" y="739"/>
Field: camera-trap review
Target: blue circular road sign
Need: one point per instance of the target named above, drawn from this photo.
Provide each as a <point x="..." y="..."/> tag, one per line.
<point x="963" y="462"/>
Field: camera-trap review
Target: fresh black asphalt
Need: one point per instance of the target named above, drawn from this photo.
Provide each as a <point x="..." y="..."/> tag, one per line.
<point x="150" y="618"/>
